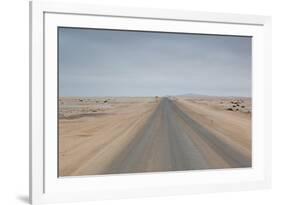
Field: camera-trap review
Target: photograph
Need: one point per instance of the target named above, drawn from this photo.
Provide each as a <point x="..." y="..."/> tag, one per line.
<point x="134" y="101"/>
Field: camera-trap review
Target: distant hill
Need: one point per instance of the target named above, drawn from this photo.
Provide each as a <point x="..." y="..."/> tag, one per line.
<point x="194" y="95"/>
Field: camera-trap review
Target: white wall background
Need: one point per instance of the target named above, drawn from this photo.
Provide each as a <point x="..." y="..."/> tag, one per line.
<point x="14" y="100"/>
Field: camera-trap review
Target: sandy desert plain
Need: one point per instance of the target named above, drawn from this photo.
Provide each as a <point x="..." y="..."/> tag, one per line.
<point x="113" y="135"/>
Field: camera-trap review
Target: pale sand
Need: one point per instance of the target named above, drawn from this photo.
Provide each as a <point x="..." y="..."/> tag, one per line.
<point x="232" y="126"/>
<point x="97" y="138"/>
<point x="128" y="135"/>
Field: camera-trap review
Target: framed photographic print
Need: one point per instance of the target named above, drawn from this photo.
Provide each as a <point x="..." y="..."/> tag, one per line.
<point x="129" y="102"/>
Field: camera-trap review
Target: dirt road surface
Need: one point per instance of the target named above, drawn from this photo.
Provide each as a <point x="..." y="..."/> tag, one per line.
<point x="166" y="139"/>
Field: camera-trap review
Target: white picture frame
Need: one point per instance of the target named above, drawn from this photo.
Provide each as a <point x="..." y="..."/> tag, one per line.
<point x="46" y="187"/>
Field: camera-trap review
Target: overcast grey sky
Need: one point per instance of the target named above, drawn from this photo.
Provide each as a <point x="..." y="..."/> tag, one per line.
<point x="125" y="63"/>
